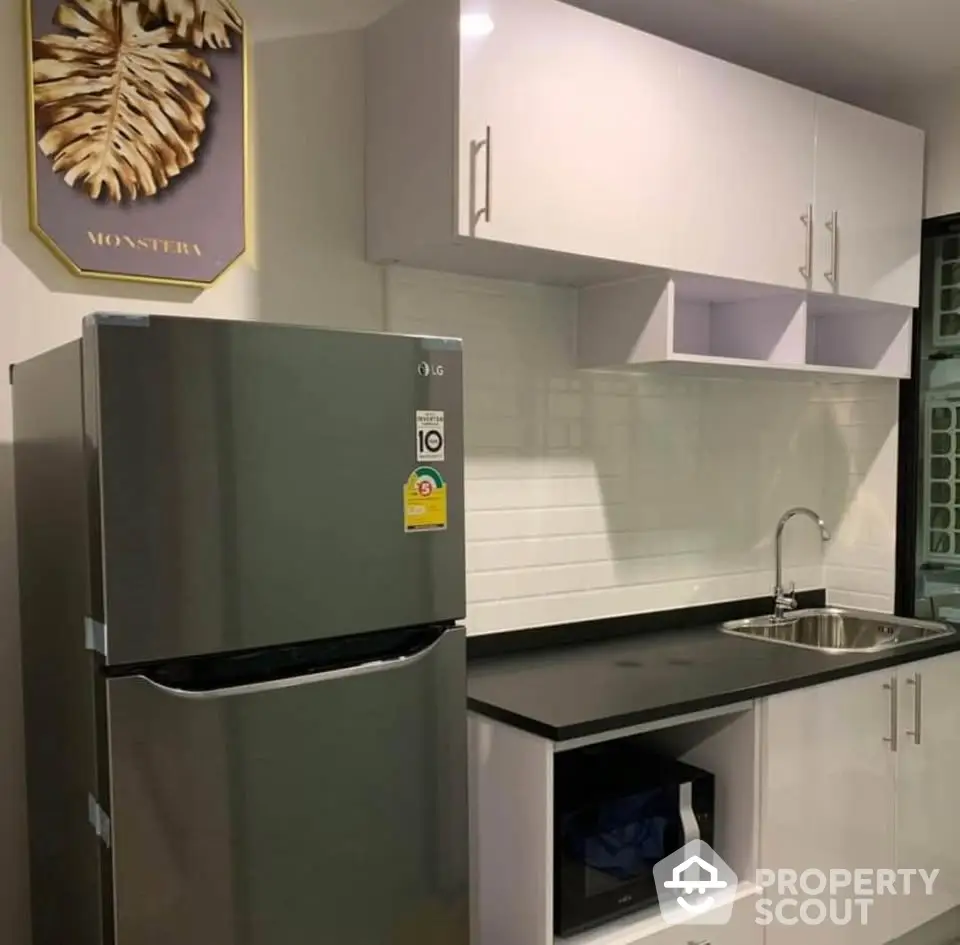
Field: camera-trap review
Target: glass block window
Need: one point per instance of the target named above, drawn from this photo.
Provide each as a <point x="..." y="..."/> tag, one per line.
<point x="941" y="507"/>
<point x="946" y="297"/>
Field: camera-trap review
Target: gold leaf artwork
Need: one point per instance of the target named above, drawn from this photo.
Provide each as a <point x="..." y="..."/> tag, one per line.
<point x="202" y="22"/>
<point x="118" y="108"/>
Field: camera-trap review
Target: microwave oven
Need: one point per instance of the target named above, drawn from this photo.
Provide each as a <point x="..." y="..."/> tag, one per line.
<point x="618" y="810"/>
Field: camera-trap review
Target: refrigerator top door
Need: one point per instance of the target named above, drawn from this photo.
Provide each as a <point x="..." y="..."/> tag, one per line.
<point x="325" y="809"/>
<point x="265" y="484"/>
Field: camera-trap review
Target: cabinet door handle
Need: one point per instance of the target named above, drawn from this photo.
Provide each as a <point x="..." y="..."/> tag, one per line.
<point x="891" y="687"/>
<point x="806" y="270"/>
<point x="833" y="225"/>
<point x="917" y="683"/>
<point x="702" y="941"/>
<point x="477" y="214"/>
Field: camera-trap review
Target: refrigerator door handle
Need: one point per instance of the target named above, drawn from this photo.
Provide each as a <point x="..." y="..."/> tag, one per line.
<point x="291" y="682"/>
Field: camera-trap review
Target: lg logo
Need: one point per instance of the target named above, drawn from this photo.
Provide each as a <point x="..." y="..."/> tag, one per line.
<point x="425" y="369"/>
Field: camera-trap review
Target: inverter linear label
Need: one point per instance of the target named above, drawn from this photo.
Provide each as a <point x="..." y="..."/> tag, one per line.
<point x="431" y="445"/>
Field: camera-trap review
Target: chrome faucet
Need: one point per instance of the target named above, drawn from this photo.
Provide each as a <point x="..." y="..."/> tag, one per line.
<point x="785" y="600"/>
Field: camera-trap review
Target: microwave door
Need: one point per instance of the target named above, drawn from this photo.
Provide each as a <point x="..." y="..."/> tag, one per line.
<point x="327" y="807"/>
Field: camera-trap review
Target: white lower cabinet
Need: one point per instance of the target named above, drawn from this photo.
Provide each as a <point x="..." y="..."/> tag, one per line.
<point x="862" y="774"/>
<point x="857" y="774"/>
<point x="828" y="793"/>
<point x="928" y="786"/>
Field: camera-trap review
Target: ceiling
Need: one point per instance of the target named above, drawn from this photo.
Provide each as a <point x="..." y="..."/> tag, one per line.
<point x="852" y="49"/>
<point x="279" y="19"/>
<point x="859" y="50"/>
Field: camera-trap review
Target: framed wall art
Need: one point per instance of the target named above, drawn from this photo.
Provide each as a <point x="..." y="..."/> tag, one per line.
<point x="138" y="136"/>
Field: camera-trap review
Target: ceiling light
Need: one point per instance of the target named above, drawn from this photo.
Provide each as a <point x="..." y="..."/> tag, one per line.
<point x="476" y="24"/>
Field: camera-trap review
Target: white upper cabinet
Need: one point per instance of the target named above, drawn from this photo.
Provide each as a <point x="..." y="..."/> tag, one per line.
<point x="868" y="205"/>
<point x="519" y="138"/>
<point x="530" y="139"/>
<point x="581" y="114"/>
<point x="742" y="178"/>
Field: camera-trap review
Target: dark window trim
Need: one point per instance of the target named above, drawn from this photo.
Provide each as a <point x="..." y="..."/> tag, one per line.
<point x="908" y="451"/>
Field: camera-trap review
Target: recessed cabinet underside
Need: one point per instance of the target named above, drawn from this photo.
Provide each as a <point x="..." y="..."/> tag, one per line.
<point x="501" y="145"/>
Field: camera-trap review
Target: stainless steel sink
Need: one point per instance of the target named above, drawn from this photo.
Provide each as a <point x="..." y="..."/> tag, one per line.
<point x="836" y="630"/>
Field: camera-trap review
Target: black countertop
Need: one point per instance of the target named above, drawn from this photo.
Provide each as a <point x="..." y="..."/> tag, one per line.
<point x="586" y="689"/>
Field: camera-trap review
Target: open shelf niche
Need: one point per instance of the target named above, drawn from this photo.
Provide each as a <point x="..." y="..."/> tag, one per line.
<point x="850" y="336"/>
<point x="512" y="802"/>
<point x="697" y="324"/>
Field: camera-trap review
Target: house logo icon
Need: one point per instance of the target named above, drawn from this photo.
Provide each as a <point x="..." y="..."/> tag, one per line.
<point x="695" y="886"/>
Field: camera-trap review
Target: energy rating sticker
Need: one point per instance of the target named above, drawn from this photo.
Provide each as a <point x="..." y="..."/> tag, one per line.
<point x="430" y="439"/>
<point x="425" y="501"/>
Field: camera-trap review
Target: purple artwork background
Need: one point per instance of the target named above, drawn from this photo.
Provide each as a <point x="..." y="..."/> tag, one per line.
<point x="204" y="205"/>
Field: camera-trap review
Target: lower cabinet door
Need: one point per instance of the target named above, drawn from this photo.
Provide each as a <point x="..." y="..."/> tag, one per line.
<point x="928" y="788"/>
<point x="828" y="800"/>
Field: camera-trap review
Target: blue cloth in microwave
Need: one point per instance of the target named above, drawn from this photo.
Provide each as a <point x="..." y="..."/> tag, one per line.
<point x="624" y="839"/>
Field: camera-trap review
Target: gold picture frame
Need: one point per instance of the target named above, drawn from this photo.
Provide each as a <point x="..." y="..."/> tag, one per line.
<point x="102" y="227"/>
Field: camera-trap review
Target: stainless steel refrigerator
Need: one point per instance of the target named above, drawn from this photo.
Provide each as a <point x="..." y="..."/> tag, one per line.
<point x="242" y="571"/>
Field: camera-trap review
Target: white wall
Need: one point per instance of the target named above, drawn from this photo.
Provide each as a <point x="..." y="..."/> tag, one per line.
<point x="593" y="494"/>
<point x="860" y="493"/>
<point x="937" y="111"/>
<point x="587" y="495"/>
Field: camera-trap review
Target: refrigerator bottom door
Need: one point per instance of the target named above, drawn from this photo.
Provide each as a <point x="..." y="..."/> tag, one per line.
<point x="330" y="808"/>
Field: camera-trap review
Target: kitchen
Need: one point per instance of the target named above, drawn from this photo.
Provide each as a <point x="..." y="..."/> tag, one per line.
<point x="559" y="462"/>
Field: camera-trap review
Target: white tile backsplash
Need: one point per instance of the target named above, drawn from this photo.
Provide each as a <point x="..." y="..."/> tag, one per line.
<point x="592" y="495"/>
<point x="861" y="482"/>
